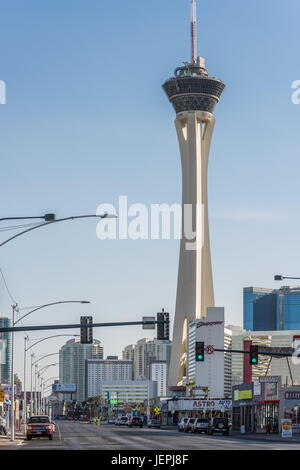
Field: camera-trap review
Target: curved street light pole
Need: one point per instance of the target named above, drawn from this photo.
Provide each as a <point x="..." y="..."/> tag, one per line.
<point x="14" y="322"/>
<point x="104" y="216"/>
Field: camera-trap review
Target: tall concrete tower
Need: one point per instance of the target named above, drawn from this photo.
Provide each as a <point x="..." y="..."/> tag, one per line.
<point x="193" y="94"/>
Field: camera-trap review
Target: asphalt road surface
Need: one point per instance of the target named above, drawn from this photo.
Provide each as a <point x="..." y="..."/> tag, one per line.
<point x="71" y="435"/>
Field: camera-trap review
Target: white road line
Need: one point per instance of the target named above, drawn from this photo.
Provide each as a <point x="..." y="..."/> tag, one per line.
<point x="59" y="433"/>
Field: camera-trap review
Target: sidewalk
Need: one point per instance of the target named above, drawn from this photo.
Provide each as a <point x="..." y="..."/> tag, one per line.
<point x="266" y="437"/>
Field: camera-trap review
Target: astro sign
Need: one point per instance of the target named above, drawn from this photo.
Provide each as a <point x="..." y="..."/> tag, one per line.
<point x="190" y="405"/>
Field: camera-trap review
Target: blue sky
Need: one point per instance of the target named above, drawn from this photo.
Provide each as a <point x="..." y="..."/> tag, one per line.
<point x="86" y="120"/>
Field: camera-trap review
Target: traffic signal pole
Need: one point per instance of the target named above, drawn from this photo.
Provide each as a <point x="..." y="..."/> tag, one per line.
<point x="78" y="325"/>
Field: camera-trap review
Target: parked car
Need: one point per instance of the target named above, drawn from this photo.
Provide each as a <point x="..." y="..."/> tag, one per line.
<point x="153" y="423"/>
<point x="181" y="424"/>
<point x="220" y="425"/>
<point x="111" y="421"/>
<point x="200" y="425"/>
<point x="39" y="426"/>
<point x="123" y="421"/>
<point x="135" y="421"/>
<point x="53" y="425"/>
<point x="189" y="424"/>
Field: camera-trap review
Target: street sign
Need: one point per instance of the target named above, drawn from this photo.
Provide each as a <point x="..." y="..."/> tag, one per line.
<point x="2" y="395"/>
<point x="156" y="410"/>
<point x="209" y="349"/>
<point x="275" y="350"/>
<point x="149" y="326"/>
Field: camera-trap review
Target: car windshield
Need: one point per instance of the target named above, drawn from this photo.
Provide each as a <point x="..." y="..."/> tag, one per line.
<point x="124" y="419"/>
<point x="39" y="419"/>
<point x="202" y="420"/>
<point x="192" y="420"/>
<point x="220" y="420"/>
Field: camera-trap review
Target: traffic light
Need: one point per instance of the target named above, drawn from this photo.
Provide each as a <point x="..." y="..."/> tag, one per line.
<point x="86" y="334"/>
<point x="163" y="329"/>
<point x="253" y="356"/>
<point x="199" y="351"/>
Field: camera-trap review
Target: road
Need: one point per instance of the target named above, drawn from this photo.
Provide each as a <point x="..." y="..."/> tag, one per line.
<point x="71" y="435"/>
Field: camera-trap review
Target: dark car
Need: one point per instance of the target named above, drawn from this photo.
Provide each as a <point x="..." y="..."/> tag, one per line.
<point x="153" y="423"/>
<point x="135" y="421"/>
<point x="221" y="425"/>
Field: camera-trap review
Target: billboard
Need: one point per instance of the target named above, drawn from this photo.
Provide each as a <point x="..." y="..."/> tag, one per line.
<point x="191" y="405"/>
<point x="112" y="398"/>
<point x="64" y="388"/>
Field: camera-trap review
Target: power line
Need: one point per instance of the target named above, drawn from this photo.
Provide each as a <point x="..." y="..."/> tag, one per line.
<point x="6" y="286"/>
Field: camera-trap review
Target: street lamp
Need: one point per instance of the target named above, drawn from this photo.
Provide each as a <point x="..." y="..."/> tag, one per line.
<point x="46" y="217"/>
<point x="32" y="363"/>
<point x="54" y="221"/>
<point x="279" y="277"/>
<point x="15" y="309"/>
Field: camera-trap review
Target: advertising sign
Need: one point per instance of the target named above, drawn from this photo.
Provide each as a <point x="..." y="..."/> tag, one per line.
<point x="112" y="398"/>
<point x="256" y="388"/>
<point x="286" y="427"/>
<point x="190" y="405"/>
<point x="64" y="388"/>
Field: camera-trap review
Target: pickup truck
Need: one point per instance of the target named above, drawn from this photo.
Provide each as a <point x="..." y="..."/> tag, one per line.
<point x="39" y="426"/>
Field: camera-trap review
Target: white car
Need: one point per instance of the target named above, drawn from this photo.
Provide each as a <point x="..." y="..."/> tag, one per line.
<point x="123" y="421"/>
<point x="181" y="424"/>
<point x="189" y="424"/>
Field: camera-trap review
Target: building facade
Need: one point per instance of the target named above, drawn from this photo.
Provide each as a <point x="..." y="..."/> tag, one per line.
<point x="159" y="374"/>
<point x="146" y="351"/>
<point x="215" y="371"/>
<point x="127" y="391"/>
<point x="5" y="364"/>
<point x="267" y="309"/>
<point x="98" y="371"/>
<point x="72" y="364"/>
<point x="285" y="367"/>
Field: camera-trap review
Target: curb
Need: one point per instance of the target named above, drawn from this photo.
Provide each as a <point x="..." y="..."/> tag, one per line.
<point x="266" y="439"/>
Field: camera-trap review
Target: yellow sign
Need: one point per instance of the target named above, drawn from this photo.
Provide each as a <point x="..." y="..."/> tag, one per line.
<point x="156" y="410"/>
<point x="245" y="394"/>
<point x="2" y="393"/>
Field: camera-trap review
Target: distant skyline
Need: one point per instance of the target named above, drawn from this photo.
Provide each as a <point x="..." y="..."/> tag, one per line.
<point x="86" y="120"/>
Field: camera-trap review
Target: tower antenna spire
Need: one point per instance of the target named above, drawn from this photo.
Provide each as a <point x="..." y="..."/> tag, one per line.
<point x="193" y="31"/>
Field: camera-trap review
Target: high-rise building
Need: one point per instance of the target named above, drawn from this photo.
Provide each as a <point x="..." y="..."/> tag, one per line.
<point x="107" y="370"/>
<point x="5" y="366"/>
<point x="145" y="352"/>
<point x="194" y="94"/>
<point x="267" y="309"/>
<point x="159" y="374"/>
<point x="128" y="353"/>
<point x="215" y="371"/>
<point x="72" y="364"/>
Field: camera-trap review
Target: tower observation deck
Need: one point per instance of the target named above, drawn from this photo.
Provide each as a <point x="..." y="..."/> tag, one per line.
<point x="193" y="89"/>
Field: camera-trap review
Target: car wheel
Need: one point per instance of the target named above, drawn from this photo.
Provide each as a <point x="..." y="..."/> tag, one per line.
<point x="29" y="438"/>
